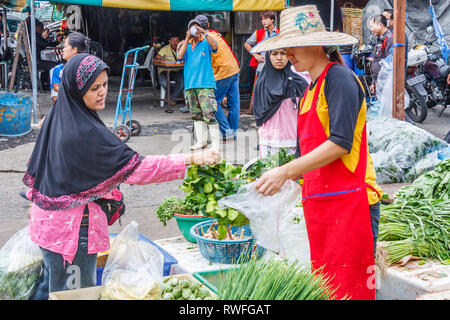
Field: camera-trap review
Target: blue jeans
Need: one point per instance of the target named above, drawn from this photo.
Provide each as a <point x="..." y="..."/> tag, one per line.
<point x="228" y="87"/>
<point x="58" y="276"/>
<point x="375" y="220"/>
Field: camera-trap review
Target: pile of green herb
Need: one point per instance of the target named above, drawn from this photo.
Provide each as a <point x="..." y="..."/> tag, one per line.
<point x="170" y="206"/>
<point x="433" y="184"/>
<point x="273" y="280"/>
<point x="415" y="227"/>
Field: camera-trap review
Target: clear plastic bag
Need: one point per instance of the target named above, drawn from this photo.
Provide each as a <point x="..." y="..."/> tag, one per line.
<point x="386" y="168"/>
<point x="399" y="146"/>
<point x="425" y="164"/>
<point x="134" y="268"/>
<point x="20" y="267"/>
<point x="384" y="87"/>
<point x="276" y="221"/>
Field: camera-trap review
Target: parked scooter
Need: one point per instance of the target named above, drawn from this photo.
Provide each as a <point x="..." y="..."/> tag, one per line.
<point x="426" y="80"/>
<point x="362" y="57"/>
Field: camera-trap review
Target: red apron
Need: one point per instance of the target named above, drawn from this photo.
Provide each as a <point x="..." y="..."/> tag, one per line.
<point x="337" y="213"/>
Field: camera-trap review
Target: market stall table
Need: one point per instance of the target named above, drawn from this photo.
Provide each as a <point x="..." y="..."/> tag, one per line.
<point x="170" y="67"/>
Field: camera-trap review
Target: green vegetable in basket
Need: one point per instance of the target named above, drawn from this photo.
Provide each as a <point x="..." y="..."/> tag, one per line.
<point x="205" y="185"/>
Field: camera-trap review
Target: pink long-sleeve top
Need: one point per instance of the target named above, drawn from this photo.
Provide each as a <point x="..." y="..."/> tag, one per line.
<point x="58" y="231"/>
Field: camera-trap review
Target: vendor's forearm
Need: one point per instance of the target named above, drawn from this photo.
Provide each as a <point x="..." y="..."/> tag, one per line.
<point x="324" y="154"/>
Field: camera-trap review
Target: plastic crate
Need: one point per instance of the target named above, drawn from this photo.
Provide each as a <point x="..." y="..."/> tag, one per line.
<point x="226" y="251"/>
<point x="169" y="260"/>
<point x="210" y="278"/>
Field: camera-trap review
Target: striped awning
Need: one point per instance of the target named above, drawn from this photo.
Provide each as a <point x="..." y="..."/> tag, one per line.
<point x="186" y="5"/>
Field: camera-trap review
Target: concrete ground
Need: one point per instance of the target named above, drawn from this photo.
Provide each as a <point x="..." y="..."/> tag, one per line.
<point x="142" y="201"/>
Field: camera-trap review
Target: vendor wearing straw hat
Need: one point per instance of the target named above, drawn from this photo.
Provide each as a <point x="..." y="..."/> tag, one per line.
<point x="340" y="194"/>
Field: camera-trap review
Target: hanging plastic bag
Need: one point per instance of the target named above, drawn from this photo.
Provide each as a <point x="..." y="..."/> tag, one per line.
<point x="20" y="267"/>
<point x="134" y="268"/>
<point x="384" y="87"/>
<point x="276" y="221"/>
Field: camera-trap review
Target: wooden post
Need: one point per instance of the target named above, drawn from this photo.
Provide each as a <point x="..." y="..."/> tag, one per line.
<point x="16" y="57"/>
<point x="398" y="93"/>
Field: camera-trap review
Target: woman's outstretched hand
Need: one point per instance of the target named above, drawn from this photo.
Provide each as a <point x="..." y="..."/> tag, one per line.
<point x="208" y="157"/>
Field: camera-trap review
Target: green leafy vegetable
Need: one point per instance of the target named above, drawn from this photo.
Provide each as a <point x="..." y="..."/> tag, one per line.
<point x="433" y="184"/>
<point x="264" y="164"/>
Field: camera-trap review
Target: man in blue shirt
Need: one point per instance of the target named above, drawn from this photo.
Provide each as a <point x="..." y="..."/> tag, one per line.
<point x="199" y="84"/>
<point x="55" y="80"/>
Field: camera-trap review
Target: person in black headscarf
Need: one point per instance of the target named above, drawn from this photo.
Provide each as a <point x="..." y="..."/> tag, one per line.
<point x="76" y="161"/>
<point x="278" y="90"/>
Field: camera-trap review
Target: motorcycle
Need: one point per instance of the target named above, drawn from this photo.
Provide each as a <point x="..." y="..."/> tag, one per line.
<point x="362" y="57"/>
<point x="426" y="80"/>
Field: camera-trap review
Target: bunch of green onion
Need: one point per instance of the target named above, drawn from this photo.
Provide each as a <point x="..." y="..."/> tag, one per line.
<point x="271" y="279"/>
<point x="416" y="227"/>
<point x="397" y="250"/>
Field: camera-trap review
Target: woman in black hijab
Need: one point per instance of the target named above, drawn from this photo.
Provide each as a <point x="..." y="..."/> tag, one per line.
<point x="278" y="90"/>
<point x="77" y="160"/>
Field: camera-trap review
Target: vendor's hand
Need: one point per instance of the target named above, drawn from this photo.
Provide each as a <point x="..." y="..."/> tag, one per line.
<point x="188" y="35"/>
<point x="372" y="88"/>
<point x="259" y="57"/>
<point x="271" y="181"/>
<point x="208" y="157"/>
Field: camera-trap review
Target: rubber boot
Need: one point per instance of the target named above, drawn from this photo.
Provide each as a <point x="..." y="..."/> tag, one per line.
<point x="216" y="136"/>
<point x="201" y="134"/>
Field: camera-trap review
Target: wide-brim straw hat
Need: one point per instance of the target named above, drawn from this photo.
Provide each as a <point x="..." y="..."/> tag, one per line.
<point x="303" y="27"/>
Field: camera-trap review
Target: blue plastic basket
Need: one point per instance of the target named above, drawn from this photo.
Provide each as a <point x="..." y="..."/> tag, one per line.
<point x="169" y="260"/>
<point x="226" y="251"/>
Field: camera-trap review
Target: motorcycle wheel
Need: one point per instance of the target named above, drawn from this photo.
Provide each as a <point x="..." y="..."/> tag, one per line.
<point x="417" y="110"/>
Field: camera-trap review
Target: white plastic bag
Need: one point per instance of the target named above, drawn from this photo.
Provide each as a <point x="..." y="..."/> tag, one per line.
<point x="134" y="268"/>
<point x="384" y="87"/>
<point x="20" y="267"/>
<point x="276" y="221"/>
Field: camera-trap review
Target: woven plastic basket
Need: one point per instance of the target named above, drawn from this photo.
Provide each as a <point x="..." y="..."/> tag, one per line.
<point x="226" y="251"/>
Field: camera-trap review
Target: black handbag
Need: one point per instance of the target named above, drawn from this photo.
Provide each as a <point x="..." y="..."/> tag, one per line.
<point x="113" y="209"/>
